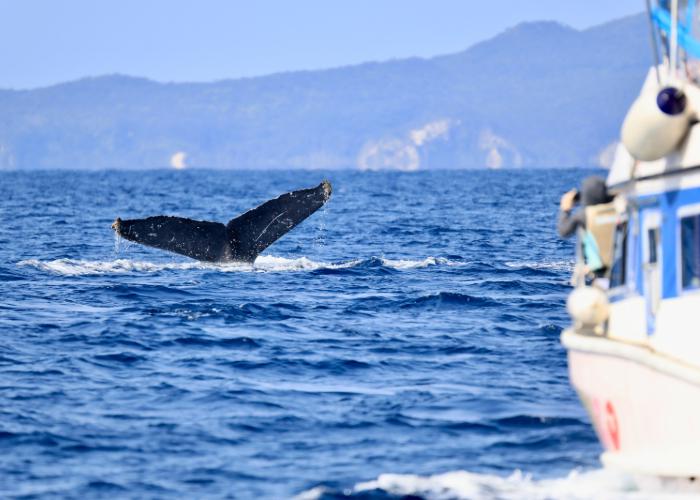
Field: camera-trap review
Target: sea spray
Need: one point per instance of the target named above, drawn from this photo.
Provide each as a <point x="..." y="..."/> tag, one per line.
<point x="264" y="263"/>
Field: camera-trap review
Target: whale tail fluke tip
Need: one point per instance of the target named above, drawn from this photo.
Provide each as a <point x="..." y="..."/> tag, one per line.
<point x="327" y="189"/>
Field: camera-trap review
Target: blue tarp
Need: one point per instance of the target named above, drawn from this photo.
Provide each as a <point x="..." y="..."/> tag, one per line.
<point x="662" y="19"/>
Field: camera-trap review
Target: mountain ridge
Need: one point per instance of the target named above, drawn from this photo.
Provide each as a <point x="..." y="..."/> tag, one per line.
<point x="528" y="97"/>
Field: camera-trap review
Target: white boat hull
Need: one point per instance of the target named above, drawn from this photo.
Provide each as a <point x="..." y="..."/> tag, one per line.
<point x="645" y="407"/>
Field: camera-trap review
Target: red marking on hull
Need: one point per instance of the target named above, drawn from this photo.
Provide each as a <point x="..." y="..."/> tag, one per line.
<point x="612" y="426"/>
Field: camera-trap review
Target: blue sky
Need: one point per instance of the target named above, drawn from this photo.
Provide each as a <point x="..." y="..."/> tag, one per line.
<point x="48" y="41"/>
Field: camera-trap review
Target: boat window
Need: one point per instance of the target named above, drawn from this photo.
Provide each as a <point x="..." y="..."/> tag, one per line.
<point x="690" y="251"/>
<point x="617" y="273"/>
<point x="653" y="235"/>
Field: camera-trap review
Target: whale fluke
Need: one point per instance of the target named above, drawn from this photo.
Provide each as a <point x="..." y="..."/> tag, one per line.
<point x="241" y="240"/>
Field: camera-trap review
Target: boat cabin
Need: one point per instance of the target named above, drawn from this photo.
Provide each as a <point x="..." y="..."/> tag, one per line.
<point x="651" y="232"/>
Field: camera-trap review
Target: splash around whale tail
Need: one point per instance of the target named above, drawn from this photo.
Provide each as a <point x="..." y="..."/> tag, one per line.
<point x="241" y="240"/>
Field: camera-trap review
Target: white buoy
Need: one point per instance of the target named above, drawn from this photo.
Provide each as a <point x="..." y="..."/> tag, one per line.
<point x="656" y="124"/>
<point x="588" y="306"/>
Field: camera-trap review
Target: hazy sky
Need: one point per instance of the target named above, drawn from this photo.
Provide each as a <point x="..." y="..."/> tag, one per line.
<point x="49" y="41"/>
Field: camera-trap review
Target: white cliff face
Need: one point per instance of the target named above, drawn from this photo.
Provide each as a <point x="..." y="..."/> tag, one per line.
<point x="178" y="161"/>
<point x="389" y="154"/>
<point x="497" y="149"/>
<point x="410" y="152"/>
<point x="403" y="153"/>
<point x="429" y="132"/>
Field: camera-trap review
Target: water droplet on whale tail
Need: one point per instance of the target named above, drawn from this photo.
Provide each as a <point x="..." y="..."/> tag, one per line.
<point x="117" y="234"/>
<point x="241" y="240"/>
<point x="327" y="189"/>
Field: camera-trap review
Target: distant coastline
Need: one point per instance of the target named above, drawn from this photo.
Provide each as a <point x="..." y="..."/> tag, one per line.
<point x="537" y="95"/>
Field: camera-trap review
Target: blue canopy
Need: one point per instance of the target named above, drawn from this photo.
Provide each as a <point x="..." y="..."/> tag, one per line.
<point x="661" y="16"/>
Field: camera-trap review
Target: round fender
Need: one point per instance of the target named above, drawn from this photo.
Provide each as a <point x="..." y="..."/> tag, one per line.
<point x="656" y="124"/>
<point x="588" y="306"/>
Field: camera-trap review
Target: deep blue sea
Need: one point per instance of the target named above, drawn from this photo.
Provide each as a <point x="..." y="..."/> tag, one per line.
<point x="404" y="340"/>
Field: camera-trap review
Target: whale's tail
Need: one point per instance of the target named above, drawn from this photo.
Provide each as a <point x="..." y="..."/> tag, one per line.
<point x="241" y="240"/>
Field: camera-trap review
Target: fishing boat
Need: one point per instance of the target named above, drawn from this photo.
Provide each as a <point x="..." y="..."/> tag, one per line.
<point x="634" y="343"/>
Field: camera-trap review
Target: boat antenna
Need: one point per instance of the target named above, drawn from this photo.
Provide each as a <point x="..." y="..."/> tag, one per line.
<point x="654" y="45"/>
<point x="674" y="38"/>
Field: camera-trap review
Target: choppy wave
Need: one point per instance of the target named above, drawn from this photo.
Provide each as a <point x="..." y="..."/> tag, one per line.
<point x="79" y="267"/>
<point x="417" y="264"/>
<point x="266" y="263"/>
<point x="414" y="324"/>
<point x="559" y="265"/>
<point x="577" y="485"/>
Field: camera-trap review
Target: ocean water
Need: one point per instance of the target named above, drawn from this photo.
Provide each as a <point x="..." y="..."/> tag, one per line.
<point x="404" y="340"/>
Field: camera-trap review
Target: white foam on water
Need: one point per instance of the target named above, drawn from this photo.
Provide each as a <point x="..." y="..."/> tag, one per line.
<point x="560" y="265"/>
<point x="577" y="485"/>
<point x="312" y="494"/>
<point x="74" y="267"/>
<point x="418" y="264"/>
<point x="271" y="263"/>
<point x="603" y="484"/>
<point x="264" y="263"/>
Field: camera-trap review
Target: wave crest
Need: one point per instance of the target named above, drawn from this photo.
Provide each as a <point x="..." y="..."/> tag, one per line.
<point x="264" y="263"/>
<point x="577" y="485"/>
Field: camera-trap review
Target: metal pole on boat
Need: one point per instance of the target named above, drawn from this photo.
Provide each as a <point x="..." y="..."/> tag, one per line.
<point x="654" y="46"/>
<point x="674" y="39"/>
